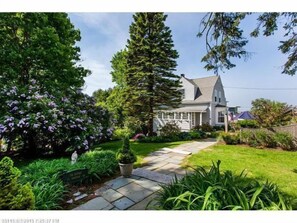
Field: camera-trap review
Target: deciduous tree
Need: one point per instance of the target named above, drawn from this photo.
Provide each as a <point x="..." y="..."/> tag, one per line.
<point x="271" y="113"/>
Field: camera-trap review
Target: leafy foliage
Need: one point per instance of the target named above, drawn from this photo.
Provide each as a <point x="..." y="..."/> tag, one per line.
<point x="151" y="83"/>
<point x="48" y="188"/>
<point x="213" y="190"/>
<point x="13" y="195"/>
<point x="230" y="139"/>
<point x="247" y="123"/>
<point x="225" y="40"/>
<point x="40" y="46"/>
<point x="205" y="127"/>
<point x="170" y="129"/>
<point x="268" y="139"/>
<point x="271" y="113"/>
<point x="125" y="155"/>
<point x="285" y="141"/>
<point x="42" y="122"/>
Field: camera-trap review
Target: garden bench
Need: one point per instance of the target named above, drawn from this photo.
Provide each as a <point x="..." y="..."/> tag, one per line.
<point x="74" y="176"/>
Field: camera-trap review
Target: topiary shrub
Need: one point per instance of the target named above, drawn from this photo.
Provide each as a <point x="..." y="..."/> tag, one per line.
<point x="13" y="195"/>
<point x="210" y="189"/>
<point x="125" y="155"/>
<point x="170" y="129"/>
<point x="230" y="139"/>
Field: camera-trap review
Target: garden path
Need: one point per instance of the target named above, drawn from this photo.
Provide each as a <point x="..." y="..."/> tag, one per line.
<point x="135" y="193"/>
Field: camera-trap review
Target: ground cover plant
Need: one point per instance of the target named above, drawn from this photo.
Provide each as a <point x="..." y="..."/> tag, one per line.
<point x="48" y="188"/>
<point x="216" y="190"/>
<point x="275" y="165"/>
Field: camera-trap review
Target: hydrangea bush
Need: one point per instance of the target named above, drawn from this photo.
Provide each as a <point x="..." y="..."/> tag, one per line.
<point x="37" y="121"/>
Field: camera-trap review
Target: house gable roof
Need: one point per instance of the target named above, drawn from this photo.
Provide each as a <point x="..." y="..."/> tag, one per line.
<point x="205" y="86"/>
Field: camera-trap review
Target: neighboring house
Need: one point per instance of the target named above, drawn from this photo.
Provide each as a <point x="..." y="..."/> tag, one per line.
<point x="246" y="115"/>
<point x="203" y="102"/>
<point x="232" y="112"/>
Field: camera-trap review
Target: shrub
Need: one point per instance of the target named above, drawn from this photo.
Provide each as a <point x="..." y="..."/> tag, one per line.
<point x="195" y="134"/>
<point x="284" y="140"/>
<point x="138" y="137"/>
<point x="213" y="190"/>
<point x="184" y="136"/>
<point x="248" y="123"/>
<point x="125" y="155"/>
<point x="98" y="163"/>
<point x="46" y="123"/>
<point x="265" y="138"/>
<point x="205" y="127"/>
<point x="170" y="129"/>
<point x="218" y="128"/>
<point x="13" y="195"/>
<point x="120" y="133"/>
<point x="49" y="190"/>
<point x="159" y="139"/>
<point x="268" y="139"/>
<point x="230" y="139"/>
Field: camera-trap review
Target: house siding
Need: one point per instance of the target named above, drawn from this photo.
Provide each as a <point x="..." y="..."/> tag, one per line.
<point x="201" y="95"/>
<point x="190" y="89"/>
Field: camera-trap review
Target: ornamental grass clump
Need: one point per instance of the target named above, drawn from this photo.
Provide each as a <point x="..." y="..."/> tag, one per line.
<point x="213" y="190"/>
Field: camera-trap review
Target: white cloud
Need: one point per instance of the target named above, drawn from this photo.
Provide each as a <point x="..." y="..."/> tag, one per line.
<point x="108" y="24"/>
<point x="100" y="77"/>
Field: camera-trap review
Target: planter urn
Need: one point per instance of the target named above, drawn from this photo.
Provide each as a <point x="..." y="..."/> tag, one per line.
<point x="126" y="169"/>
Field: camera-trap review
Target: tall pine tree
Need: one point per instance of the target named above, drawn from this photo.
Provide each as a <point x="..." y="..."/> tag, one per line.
<point x="151" y="61"/>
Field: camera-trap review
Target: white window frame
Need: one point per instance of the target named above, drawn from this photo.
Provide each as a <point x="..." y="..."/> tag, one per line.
<point x="220" y="116"/>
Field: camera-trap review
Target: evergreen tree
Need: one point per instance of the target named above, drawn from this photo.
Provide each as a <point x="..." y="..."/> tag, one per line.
<point x="151" y="61"/>
<point x="225" y="40"/>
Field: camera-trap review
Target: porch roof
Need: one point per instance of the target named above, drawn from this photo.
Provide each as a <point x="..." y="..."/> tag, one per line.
<point x="190" y="109"/>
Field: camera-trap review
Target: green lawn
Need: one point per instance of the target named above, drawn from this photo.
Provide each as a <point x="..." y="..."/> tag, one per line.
<point x="277" y="166"/>
<point x="141" y="149"/>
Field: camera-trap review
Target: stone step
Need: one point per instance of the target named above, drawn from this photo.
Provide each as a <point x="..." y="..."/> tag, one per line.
<point x="151" y="175"/>
<point x="177" y="151"/>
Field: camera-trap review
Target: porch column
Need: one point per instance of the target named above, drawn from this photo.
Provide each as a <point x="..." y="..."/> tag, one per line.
<point x="200" y="121"/>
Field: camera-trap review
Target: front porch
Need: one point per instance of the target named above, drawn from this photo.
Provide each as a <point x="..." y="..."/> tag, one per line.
<point x="186" y="118"/>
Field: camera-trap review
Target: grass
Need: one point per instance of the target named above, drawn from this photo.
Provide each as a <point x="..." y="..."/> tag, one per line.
<point x="141" y="149"/>
<point x="277" y="166"/>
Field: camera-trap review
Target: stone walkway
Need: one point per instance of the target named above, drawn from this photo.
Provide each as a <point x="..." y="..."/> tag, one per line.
<point x="136" y="192"/>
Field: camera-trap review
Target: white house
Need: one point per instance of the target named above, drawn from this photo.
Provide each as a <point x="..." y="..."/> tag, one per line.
<point x="203" y="102"/>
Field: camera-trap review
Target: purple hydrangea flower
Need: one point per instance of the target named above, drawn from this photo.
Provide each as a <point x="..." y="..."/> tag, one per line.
<point x="51" y="129"/>
<point x="2" y="129"/>
<point x="52" y="104"/>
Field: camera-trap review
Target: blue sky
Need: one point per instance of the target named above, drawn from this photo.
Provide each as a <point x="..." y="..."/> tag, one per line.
<point x="103" y="34"/>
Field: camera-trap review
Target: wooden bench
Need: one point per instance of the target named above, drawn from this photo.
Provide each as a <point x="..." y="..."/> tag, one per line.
<point x="74" y="176"/>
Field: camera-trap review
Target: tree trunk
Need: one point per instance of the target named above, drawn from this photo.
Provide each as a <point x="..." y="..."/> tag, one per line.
<point x="30" y="147"/>
<point x="151" y="126"/>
